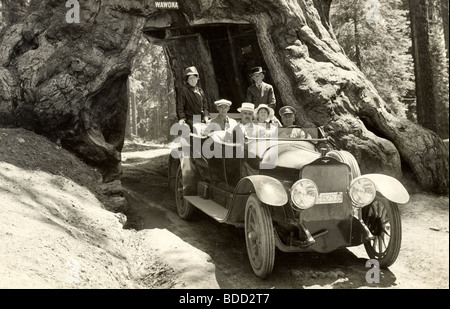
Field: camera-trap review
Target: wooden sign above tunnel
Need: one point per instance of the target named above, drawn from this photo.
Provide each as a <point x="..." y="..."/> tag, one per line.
<point x="166" y="5"/>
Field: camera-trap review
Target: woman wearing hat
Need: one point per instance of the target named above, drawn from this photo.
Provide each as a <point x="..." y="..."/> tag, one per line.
<point x="260" y="92"/>
<point x="265" y="117"/>
<point x="192" y="99"/>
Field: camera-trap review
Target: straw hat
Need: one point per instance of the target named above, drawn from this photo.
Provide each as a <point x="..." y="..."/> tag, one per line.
<point x="246" y="107"/>
<point x="222" y="102"/>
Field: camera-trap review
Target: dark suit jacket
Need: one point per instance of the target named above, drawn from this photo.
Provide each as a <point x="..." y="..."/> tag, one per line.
<point x="191" y="101"/>
<point x="263" y="96"/>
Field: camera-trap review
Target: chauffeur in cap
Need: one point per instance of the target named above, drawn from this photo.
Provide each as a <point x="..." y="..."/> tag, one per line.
<point x="287" y="114"/>
<point x="192" y="99"/>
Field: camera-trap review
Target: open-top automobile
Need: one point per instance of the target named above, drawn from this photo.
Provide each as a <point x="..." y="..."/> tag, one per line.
<point x="294" y="194"/>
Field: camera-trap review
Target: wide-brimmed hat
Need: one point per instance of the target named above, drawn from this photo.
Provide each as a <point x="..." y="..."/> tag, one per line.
<point x="257" y="70"/>
<point x="246" y="107"/>
<point x="222" y="102"/>
<point x="191" y="71"/>
<point x="271" y="111"/>
<point x="287" y="110"/>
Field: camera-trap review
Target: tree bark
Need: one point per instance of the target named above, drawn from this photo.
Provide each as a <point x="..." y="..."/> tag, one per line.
<point x="12" y="10"/>
<point x="426" y="102"/>
<point x="444" y="14"/>
<point x="68" y="81"/>
<point x="357" y="40"/>
<point x="133" y="115"/>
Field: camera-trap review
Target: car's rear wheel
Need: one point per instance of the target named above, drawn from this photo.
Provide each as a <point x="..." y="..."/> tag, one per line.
<point x="184" y="208"/>
<point x="382" y="217"/>
<point x="259" y="237"/>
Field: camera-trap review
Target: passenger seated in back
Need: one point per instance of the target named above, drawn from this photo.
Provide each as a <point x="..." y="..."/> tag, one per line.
<point x="222" y="120"/>
<point x="264" y="116"/>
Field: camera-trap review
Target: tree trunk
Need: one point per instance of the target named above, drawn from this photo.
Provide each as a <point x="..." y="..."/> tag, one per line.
<point x="128" y="121"/>
<point x="12" y="10"/>
<point x="68" y="81"/>
<point x="180" y="50"/>
<point x="444" y="14"/>
<point x="426" y="102"/>
<point x="357" y="41"/>
<point x="133" y="114"/>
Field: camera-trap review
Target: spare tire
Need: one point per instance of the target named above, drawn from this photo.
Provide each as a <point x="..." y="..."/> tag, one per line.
<point x="347" y="158"/>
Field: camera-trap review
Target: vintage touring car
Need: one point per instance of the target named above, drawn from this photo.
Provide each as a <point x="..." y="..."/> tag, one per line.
<point x="309" y="197"/>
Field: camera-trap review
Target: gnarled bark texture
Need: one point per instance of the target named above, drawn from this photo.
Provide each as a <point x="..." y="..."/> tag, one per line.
<point x="68" y="81"/>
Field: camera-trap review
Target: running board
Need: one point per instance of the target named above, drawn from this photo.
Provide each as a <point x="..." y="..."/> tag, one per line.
<point x="209" y="207"/>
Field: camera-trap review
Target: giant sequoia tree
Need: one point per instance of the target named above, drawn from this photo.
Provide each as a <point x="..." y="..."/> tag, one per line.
<point x="68" y="80"/>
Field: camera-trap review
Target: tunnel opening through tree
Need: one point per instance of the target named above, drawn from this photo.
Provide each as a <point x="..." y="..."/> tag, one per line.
<point x="223" y="53"/>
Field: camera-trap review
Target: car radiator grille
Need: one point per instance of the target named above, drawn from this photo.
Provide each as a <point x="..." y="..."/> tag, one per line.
<point x="331" y="178"/>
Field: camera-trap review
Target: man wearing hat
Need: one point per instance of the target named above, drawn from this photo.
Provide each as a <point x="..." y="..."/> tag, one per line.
<point x="246" y="126"/>
<point x="247" y="110"/>
<point x="222" y="120"/>
<point x="287" y="114"/>
<point x="191" y="99"/>
<point x="260" y="92"/>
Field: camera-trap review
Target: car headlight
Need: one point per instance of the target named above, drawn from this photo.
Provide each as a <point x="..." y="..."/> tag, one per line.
<point x="362" y="192"/>
<point x="304" y="193"/>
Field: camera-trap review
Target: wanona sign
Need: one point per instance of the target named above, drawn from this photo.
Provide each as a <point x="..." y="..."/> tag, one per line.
<point x="166" y="5"/>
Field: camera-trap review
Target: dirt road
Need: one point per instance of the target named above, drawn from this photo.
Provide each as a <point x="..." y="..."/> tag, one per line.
<point x="423" y="260"/>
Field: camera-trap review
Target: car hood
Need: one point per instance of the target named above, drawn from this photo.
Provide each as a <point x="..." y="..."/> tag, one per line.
<point x="290" y="155"/>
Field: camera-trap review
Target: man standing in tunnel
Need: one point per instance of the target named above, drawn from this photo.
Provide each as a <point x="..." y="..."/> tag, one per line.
<point x="260" y="92"/>
<point x="192" y="99"/>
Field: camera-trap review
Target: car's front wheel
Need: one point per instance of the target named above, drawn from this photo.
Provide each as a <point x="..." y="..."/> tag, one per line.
<point x="259" y="237"/>
<point x="184" y="208"/>
<point x="382" y="217"/>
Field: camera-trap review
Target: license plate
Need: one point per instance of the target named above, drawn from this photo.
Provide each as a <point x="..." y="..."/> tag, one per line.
<point x="330" y="198"/>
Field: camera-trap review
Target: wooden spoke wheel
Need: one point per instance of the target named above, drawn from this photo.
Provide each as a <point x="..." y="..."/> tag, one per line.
<point x="382" y="217"/>
<point x="260" y="237"/>
<point x="184" y="208"/>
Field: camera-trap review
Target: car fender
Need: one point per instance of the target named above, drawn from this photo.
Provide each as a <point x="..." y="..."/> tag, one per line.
<point x="269" y="190"/>
<point x="389" y="187"/>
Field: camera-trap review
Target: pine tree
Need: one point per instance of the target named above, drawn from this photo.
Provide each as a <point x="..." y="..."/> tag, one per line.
<point x="150" y="83"/>
<point x="439" y="62"/>
<point x="375" y="35"/>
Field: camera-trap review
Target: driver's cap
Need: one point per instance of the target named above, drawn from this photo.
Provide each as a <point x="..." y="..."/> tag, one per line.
<point x="286" y="110"/>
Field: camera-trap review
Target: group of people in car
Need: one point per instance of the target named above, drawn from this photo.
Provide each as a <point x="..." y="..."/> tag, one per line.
<point x="258" y="108"/>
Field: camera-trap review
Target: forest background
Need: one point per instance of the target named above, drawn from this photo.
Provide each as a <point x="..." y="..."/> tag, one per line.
<point x="401" y="46"/>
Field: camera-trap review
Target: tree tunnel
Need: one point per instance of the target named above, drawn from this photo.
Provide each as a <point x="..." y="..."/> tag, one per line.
<point x="69" y="85"/>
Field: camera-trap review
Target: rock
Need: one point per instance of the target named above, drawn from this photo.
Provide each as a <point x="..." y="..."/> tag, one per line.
<point x="115" y="204"/>
<point x="112" y="188"/>
<point x="333" y="275"/>
<point x="121" y="217"/>
<point x="321" y="274"/>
